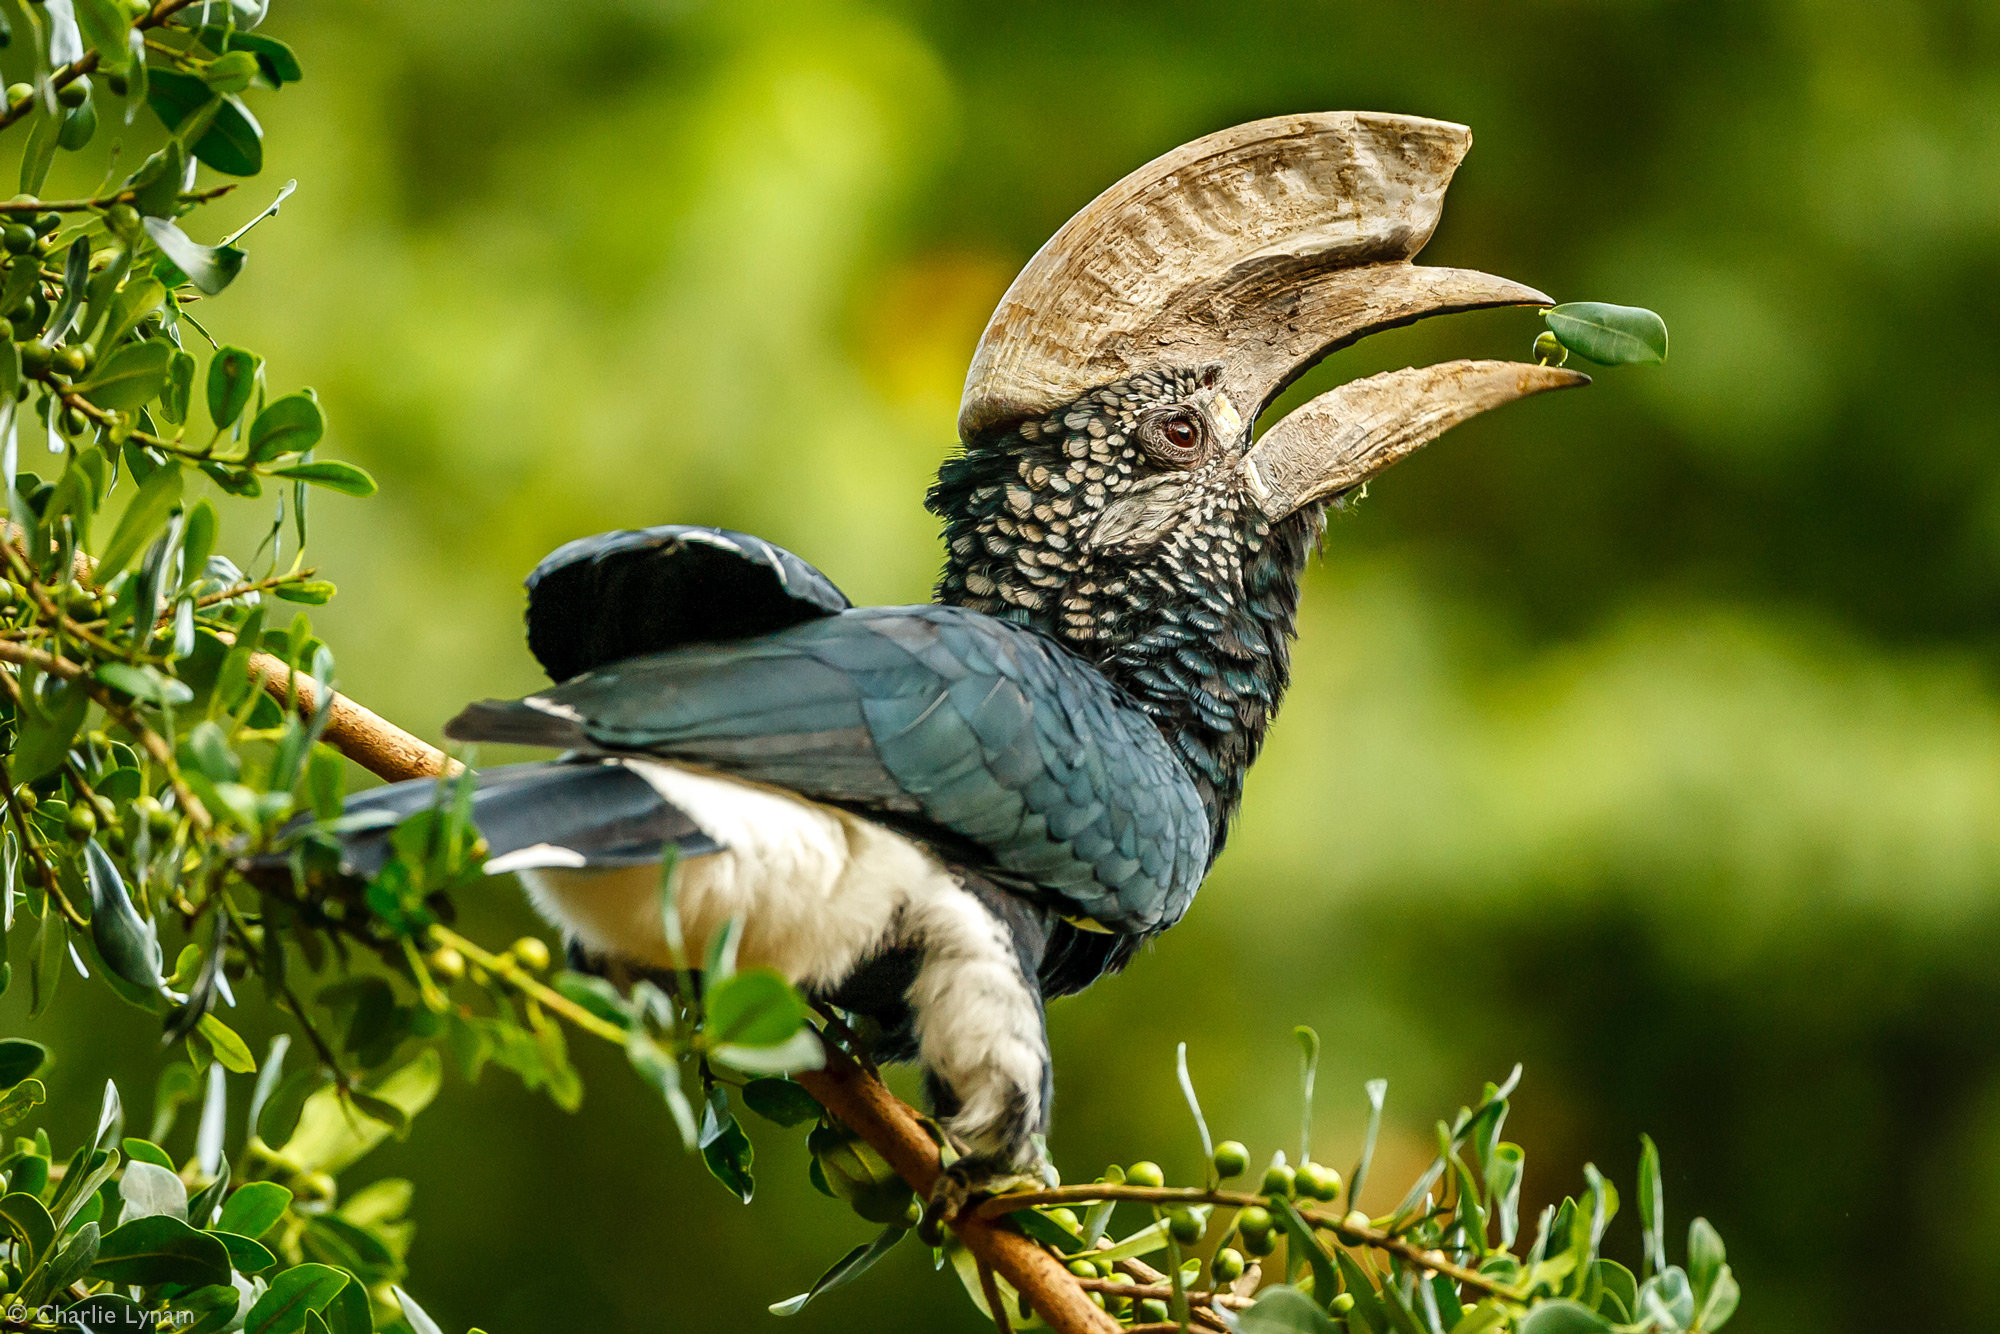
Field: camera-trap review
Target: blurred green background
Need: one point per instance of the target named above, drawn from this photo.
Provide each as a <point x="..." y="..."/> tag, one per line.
<point x="1649" y="736"/>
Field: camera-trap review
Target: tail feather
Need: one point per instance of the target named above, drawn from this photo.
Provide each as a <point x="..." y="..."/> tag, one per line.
<point x="518" y="722"/>
<point x="573" y="813"/>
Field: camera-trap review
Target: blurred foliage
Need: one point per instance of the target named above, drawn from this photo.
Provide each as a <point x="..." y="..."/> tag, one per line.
<point x="1649" y="735"/>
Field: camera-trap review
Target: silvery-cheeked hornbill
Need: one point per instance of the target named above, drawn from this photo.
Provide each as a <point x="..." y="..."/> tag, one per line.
<point x="939" y="816"/>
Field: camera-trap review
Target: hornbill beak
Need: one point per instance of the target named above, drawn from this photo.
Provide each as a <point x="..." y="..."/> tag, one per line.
<point x="1260" y="249"/>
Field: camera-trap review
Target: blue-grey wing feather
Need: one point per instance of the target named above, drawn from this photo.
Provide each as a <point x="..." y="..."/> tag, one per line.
<point x="982" y="729"/>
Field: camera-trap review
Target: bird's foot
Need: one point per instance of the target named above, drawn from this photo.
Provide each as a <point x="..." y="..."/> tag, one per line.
<point x="974" y="1177"/>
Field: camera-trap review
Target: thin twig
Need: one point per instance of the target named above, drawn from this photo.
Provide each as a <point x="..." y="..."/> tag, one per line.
<point x="513" y="974"/>
<point x="105" y="201"/>
<point x="1162" y="1291"/>
<point x="29" y="848"/>
<point x="1435" y="1261"/>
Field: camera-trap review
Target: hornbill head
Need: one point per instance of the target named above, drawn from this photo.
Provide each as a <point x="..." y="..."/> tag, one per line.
<point x="1112" y="491"/>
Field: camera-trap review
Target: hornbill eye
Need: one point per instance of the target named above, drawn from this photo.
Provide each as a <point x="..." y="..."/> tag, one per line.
<point x="1172" y="437"/>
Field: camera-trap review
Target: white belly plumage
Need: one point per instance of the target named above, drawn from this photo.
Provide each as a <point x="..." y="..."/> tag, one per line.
<point x="819" y="891"/>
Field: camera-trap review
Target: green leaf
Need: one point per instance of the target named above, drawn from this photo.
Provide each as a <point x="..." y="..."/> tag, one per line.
<point x="180" y="389"/>
<point x="724" y="1147"/>
<point x="1705" y="1257"/>
<point x="28" y="1219"/>
<point x="845" y="1270"/>
<point x="143" y="682"/>
<point x="350" y="1313"/>
<point x="1484" y="1318"/>
<point x="232" y="378"/>
<point x="230" y="73"/>
<point x="128" y="943"/>
<point x="130" y="376"/>
<point x="161" y="1249"/>
<point x="1652" y="1206"/>
<point x="279" y="1116"/>
<point x="255" y="1208"/>
<point x="308" y="593"/>
<point x="104" y="24"/>
<point x="1194" y="1107"/>
<point x="1300" y="1243"/>
<point x="156" y="185"/>
<point x="594" y="994"/>
<point x="197" y="541"/>
<point x="781" y="1101"/>
<point x="332" y="474"/>
<point x="1378" y="1091"/>
<point x="134" y="301"/>
<point x="145" y="1151"/>
<point x="332" y="1135"/>
<point x="1607" y="334"/>
<point x="78" y="127"/>
<point x="283" y="1307"/>
<point x="45" y="733"/>
<point x="1562" y="1316"/>
<point x="147" y="1189"/>
<point x="1667" y="1299"/>
<point x="232" y="144"/>
<point x="40" y="152"/>
<point x="419" y="1319"/>
<point x="248" y="1256"/>
<point x="278" y="62"/>
<point x="232" y="1051"/>
<point x="1723" y="1295"/>
<point x="18" y="1101"/>
<point x="156" y="498"/>
<point x="289" y="425"/>
<point x="209" y="268"/>
<point x="19" y="1058"/>
<point x="1285" y="1310"/>
<point x="801" y="1051"/>
<point x="753" y="1008"/>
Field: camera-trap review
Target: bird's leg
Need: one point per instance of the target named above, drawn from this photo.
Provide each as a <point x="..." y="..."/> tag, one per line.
<point x="981" y="1038"/>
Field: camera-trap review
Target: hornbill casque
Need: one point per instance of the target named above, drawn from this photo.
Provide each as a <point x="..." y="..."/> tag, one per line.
<point x="938" y="817"/>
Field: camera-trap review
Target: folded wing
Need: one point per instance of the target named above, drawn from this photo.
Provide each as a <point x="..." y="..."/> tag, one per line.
<point x="957" y="726"/>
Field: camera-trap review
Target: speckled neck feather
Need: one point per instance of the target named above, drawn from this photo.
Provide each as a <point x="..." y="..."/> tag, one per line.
<point x="1196" y="626"/>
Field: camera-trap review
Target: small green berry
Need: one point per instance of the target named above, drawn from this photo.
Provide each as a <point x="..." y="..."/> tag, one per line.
<point x="1280" y="1179"/>
<point x="1355" y="1220"/>
<point x="447" y="963"/>
<point x="1231" y="1159"/>
<point x="18" y="92"/>
<point x="1549" y="349"/>
<point x="1318" y="1181"/>
<point x="1145" y="1174"/>
<point x="1083" y="1268"/>
<point x="1066" y="1219"/>
<point x="36" y="355"/>
<point x="18" y="237"/>
<point x="80" y="823"/>
<point x="75" y="358"/>
<point x="533" y="953"/>
<point x="1184" y="1226"/>
<point x="1153" y="1311"/>
<point x="1259" y="1244"/>
<point x="1227" y="1266"/>
<point x="76" y="92"/>
<point x="1254" y="1219"/>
